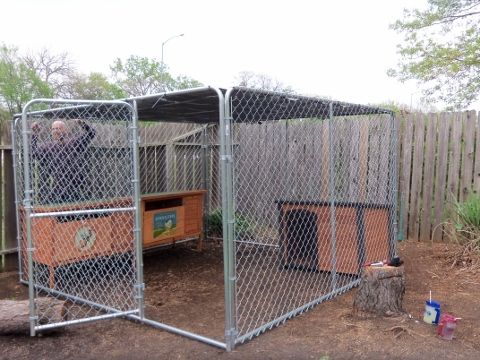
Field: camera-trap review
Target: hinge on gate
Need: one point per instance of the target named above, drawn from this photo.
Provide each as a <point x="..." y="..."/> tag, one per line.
<point x="140" y="288"/>
<point x="34" y="318"/>
<point x="228" y="158"/>
<point x="31" y="249"/>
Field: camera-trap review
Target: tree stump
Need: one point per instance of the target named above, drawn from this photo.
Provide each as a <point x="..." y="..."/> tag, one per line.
<point x="381" y="291"/>
<point x="15" y="314"/>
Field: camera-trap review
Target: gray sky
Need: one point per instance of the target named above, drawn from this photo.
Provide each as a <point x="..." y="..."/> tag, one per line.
<point x="340" y="49"/>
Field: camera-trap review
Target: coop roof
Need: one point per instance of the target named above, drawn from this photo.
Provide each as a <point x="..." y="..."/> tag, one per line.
<point x="201" y="105"/>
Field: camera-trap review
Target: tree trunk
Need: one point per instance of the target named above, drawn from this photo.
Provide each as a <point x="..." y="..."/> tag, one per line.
<point x="381" y="291"/>
<point x="14" y="314"/>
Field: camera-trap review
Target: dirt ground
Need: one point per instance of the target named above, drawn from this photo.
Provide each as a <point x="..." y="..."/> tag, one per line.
<point x="328" y="331"/>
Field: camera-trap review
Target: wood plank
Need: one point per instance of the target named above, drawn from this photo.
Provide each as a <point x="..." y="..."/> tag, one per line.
<point x="430" y="145"/>
<point x="325" y="156"/>
<point x="273" y="188"/>
<point x="363" y="161"/>
<point x="476" y="171"/>
<point x="385" y="148"/>
<point x="443" y="126"/>
<point x="468" y="154"/>
<point x="338" y="158"/>
<point x="406" y="172"/>
<point x="373" y="160"/>
<point x="348" y="144"/>
<point x="312" y="163"/>
<point x="454" y="159"/>
<point x="353" y="160"/>
<point x="417" y="169"/>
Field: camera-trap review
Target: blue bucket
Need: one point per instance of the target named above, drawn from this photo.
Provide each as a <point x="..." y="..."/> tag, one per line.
<point x="432" y="312"/>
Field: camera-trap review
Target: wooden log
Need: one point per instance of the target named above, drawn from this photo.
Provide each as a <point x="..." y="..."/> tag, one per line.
<point x="14" y="314"/>
<point x="381" y="291"/>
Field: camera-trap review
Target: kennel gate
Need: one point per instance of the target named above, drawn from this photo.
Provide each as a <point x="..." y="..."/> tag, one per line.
<point x="77" y="197"/>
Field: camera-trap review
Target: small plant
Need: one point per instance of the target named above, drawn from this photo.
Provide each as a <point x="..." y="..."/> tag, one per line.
<point x="466" y="219"/>
<point x="243" y="227"/>
<point x="463" y="228"/>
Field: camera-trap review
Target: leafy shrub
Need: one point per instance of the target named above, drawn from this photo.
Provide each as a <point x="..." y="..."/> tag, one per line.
<point x="243" y="227"/>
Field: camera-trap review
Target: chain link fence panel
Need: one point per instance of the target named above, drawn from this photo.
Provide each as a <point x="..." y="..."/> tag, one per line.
<point x="314" y="201"/>
<point x="75" y="172"/>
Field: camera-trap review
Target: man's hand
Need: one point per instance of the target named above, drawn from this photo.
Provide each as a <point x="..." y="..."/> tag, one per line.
<point x="36" y="127"/>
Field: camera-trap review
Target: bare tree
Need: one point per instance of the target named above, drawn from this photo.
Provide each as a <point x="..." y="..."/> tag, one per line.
<point x="57" y="70"/>
<point x="262" y="81"/>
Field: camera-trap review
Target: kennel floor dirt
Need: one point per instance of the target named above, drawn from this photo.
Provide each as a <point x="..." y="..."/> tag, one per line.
<point x="328" y="331"/>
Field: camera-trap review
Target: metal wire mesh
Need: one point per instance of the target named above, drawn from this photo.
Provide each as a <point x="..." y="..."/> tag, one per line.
<point x="314" y="201"/>
<point x="180" y="157"/>
<point x="313" y="187"/>
<point x="74" y="170"/>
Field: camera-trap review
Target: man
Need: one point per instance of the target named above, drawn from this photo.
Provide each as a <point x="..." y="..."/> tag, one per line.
<point x="62" y="162"/>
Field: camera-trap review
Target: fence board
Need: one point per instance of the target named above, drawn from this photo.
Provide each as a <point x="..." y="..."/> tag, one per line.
<point x="407" y="170"/>
<point x="476" y="171"/>
<point x="430" y="144"/>
<point x="341" y="138"/>
<point x="417" y="169"/>
<point x="363" y="162"/>
<point x="468" y="154"/>
<point x="374" y="139"/>
<point x="354" y="168"/>
<point x="383" y="173"/>
<point x="325" y="159"/>
<point x="454" y="158"/>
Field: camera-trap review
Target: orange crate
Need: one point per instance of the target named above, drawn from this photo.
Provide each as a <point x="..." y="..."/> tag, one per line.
<point x="170" y="217"/>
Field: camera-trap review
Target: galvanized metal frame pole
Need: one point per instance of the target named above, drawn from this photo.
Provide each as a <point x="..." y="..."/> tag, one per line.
<point x="394" y="191"/>
<point x="17" y="208"/>
<point x="228" y="220"/>
<point x="27" y="204"/>
<point x="331" y="195"/>
<point x="140" y="286"/>
<point x="205" y="181"/>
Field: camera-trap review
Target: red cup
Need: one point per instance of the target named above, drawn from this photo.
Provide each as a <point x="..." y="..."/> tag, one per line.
<point x="446" y="326"/>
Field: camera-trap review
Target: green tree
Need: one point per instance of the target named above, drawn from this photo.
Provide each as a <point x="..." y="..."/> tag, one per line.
<point x="441" y="50"/>
<point x="95" y="86"/>
<point x="142" y="76"/>
<point x="18" y="83"/>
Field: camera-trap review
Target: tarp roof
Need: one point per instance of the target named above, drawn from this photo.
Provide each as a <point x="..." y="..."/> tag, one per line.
<point x="201" y="106"/>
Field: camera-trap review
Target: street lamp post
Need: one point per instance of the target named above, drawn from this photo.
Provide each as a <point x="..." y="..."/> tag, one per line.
<point x="163" y="64"/>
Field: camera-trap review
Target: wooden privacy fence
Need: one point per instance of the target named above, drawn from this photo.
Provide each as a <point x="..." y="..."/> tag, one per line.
<point x="439" y="164"/>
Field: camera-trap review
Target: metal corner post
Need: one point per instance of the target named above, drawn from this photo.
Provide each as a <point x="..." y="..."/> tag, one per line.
<point x="394" y="180"/>
<point x="27" y="203"/>
<point x="137" y="225"/>
<point x="15" y="180"/>
<point x="228" y="217"/>
<point x="331" y="195"/>
<point x="205" y="179"/>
